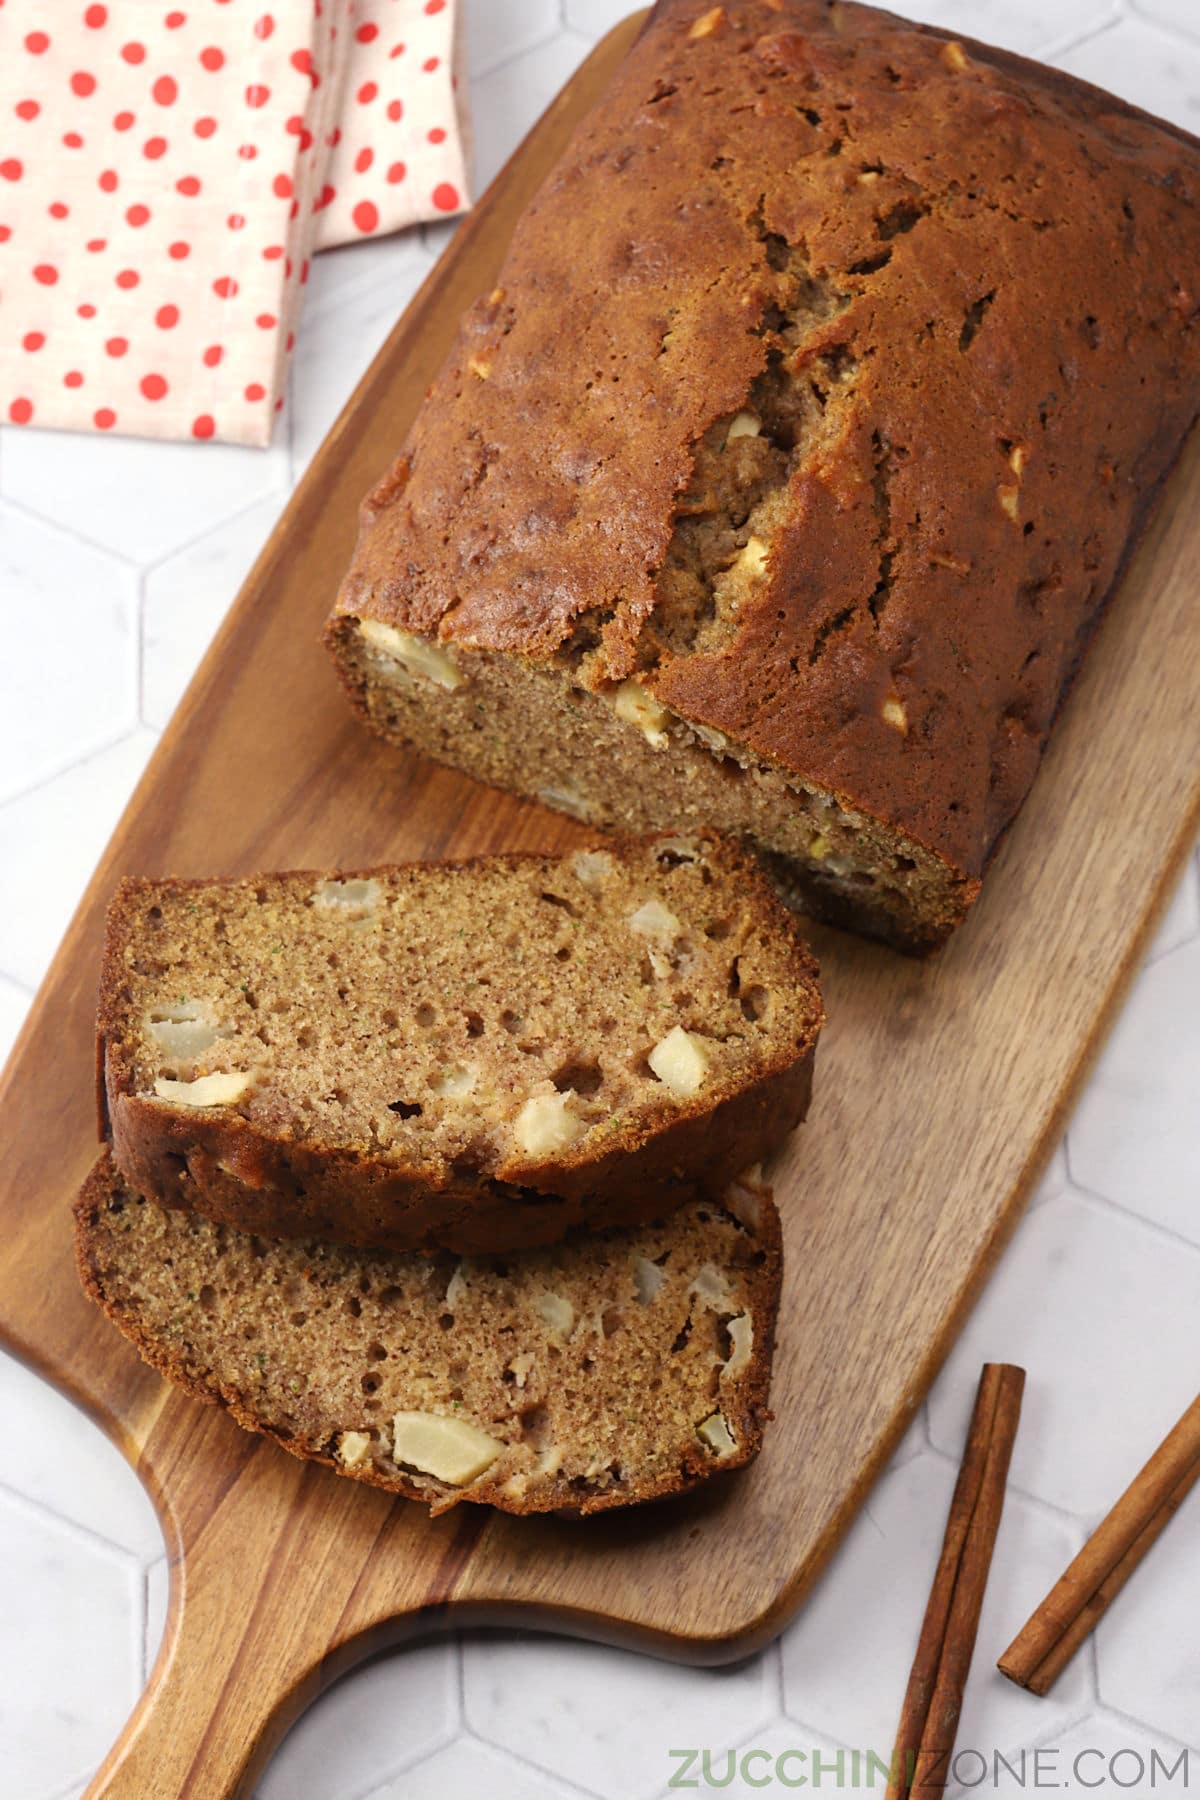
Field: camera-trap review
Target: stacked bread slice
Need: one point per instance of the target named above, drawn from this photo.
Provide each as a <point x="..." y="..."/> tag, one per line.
<point x="432" y="1173"/>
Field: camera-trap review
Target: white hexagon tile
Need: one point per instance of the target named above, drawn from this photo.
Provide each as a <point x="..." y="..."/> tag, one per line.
<point x="1146" y="1652"/>
<point x="339" y="341"/>
<point x="499" y="30"/>
<point x="593" y="18"/>
<point x="186" y="597"/>
<point x="520" y="90"/>
<point x="359" y="1733"/>
<point x="467" y="1770"/>
<point x="1134" y="1136"/>
<point x="69" y="1469"/>
<point x="846" y="1657"/>
<point x="1101" y="1310"/>
<point x="72" y="1601"/>
<point x="51" y="839"/>
<point x="76" y="686"/>
<point x="117" y="562"/>
<point x="1137" y="59"/>
<point x="139" y="498"/>
<point x="600" y="1718"/>
<point x="1177" y="15"/>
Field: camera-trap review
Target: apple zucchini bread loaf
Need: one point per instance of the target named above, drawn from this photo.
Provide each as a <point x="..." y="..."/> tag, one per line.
<point x="613" y="1368"/>
<point x="479" y="1056"/>
<point x="780" y="481"/>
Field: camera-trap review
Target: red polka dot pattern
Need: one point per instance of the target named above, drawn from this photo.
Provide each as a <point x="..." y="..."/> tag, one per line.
<point x="168" y="175"/>
<point x="398" y="157"/>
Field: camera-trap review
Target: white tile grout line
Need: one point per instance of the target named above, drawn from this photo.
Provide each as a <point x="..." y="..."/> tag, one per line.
<point x="76" y="762"/>
<point x="826" y="1737"/>
<point x="390" y="1772"/>
<point x="1181" y="33"/>
<point x="70" y="532"/>
<point x="1152" y="27"/>
<point x="137" y="1622"/>
<point x="1105" y="1710"/>
<point x="552" y="35"/>
<point x="152" y="565"/>
<point x="1053" y="49"/>
<point x="73" y="1789"/>
<point x="571" y="1790"/>
<point x="416" y="255"/>
<point x="144" y="564"/>
<point x="774" y="1650"/>
<point x="139" y="646"/>
<point x="1102" y="1202"/>
<point x="1075" y="1522"/>
<point x="454" y="1728"/>
<point x="507" y="60"/>
<point x="143" y="1623"/>
<point x="43" y="1513"/>
<point x="1160" y="956"/>
<point x="460" y="1682"/>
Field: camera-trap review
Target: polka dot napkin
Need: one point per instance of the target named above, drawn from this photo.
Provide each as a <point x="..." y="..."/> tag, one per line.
<point x="166" y="173"/>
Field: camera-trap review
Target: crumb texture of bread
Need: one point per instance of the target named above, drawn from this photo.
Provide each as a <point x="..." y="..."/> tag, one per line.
<point x="478" y="1056"/>
<point x="614" y="1368"/>
<point x="781" y="480"/>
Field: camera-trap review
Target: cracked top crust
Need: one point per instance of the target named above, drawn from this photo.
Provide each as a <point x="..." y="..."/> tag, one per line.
<point x="977" y="280"/>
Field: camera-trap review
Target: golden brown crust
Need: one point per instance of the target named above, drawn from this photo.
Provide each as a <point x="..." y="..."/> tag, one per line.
<point x="105" y="1191"/>
<point x="1015" y="263"/>
<point x="256" y="1178"/>
<point x="238" y="1175"/>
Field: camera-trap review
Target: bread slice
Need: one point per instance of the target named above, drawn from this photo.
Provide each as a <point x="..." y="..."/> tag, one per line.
<point x="610" y="1369"/>
<point x="781" y="479"/>
<point x="477" y="1056"/>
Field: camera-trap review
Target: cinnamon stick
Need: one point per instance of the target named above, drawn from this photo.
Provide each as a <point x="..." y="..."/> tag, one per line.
<point x="933" y="1699"/>
<point x="1069" y="1613"/>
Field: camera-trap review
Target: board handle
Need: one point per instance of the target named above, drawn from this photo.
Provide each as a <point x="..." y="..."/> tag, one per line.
<point x="265" y="1553"/>
<point x="219" y="1700"/>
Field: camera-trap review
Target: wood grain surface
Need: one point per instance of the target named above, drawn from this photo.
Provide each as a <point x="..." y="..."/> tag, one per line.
<point x="941" y="1087"/>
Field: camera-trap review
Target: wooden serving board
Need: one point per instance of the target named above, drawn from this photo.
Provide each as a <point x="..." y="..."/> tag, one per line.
<point x="941" y="1088"/>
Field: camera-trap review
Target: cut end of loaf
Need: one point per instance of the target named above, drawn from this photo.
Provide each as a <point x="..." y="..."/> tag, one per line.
<point x="613" y="1369"/>
<point x="616" y="757"/>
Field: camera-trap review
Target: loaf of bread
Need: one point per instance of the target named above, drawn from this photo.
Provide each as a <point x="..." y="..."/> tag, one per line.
<point x="478" y="1056"/>
<point x="614" y="1368"/>
<point x="780" y="482"/>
